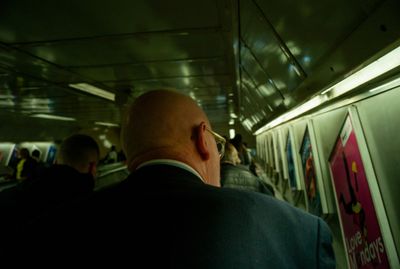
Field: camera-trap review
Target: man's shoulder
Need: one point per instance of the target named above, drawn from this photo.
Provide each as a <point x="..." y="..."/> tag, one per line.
<point x="265" y="205"/>
<point x="186" y="192"/>
<point x="184" y="212"/>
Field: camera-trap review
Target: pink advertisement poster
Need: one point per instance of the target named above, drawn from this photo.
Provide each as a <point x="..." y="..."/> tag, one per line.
<point x="363" y="238"/>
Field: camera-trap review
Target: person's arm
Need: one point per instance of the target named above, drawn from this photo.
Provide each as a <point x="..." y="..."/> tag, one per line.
<point x="325" y="255"/>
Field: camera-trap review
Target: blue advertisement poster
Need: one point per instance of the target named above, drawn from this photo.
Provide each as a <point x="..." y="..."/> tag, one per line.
<point x="51" y="155"/>
<point x="307" y="161"/>
<point x="291" y="171"/>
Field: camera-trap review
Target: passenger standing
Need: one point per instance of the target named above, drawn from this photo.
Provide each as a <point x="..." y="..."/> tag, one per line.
<point x="121" y="156"/>
<point x="244" y="155"/>
<point x="238" y="177"/>
<point x="40" y="165"/>
<point x="36" y="155"/>
<point x="247" y="152"/>
<point x="71" y="179"/>
<point x="73" y="175"/>
<point x="26" y="166"/>
<point x="112" y="156"/>
<point x="171" y="213"/>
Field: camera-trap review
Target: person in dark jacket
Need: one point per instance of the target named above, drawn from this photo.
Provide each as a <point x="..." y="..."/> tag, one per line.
<point x="72" y="178"/>
<point x="238" y="177"/>
<point x="171" y="212"/>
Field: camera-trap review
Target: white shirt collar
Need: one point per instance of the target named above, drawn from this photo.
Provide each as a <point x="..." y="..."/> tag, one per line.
<point x="172" y="163"/>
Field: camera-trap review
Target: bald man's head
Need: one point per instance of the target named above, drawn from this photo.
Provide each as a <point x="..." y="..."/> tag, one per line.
<point x="165" y="124"/>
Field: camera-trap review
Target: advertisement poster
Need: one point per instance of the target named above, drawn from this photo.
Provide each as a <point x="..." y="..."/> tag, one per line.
<point x="14" y="158"/>
<point x="307" y="161"/>
<point x="51" y="155"/>
<point x="278" y="157"/>
<point x="272" y="152"/>
<point x="291" y="171"/>
<point x="265" y="144"/>
<point x="363" y="238"/>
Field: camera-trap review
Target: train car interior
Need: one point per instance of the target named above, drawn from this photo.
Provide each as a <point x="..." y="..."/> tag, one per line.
<point x="292" y="77"/>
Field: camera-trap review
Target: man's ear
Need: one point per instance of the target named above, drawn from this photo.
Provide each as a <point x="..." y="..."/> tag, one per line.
<point x="201" y="141"/>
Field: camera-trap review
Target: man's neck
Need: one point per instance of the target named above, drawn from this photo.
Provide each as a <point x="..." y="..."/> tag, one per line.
<point x="172" y="163"/>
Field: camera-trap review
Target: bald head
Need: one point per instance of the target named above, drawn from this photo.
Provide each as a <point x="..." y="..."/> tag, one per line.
<point x="164" y="124"/>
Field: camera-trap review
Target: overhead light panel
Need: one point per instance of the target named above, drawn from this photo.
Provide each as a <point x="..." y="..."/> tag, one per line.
<point x="108" y="124"/>
<point x="388" y="85"/>
<point x="382" y="65"/>
<point x="231" y="133"/>
<point x="312" y="103"/>
<point x="369" y="72"/>
<point x="52" y="117"/>
<point x="233" y="115"/>
<point x="93" y="90"/>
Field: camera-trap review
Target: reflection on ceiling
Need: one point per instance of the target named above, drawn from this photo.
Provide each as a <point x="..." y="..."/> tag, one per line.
<point x="245" y="62"/>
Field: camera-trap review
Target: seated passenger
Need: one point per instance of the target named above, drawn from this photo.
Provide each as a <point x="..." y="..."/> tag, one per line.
<point x="171" y="213"/>
<point x="239" y="177"/>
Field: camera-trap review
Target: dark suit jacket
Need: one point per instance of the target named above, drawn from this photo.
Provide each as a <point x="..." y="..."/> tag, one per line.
<point x="165" y="217"/>
<point x="54" y="187"/>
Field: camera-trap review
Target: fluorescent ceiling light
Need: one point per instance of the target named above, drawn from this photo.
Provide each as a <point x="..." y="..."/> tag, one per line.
<point x="93" y="90"/>
<point x="52" y="117"/>
<point x="233" y="115"/>
<point x="384" y="64"/>
<point x="312" y="103"/>
<point x="386" y="86"/>
<point x="231" y="133"/>
<point x="108" y="124"/>
<point x="369" y="72"/>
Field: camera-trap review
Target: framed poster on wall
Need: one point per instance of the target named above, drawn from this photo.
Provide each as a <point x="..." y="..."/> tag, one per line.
<point x="291" y="163"/>
<point x="362" y="234"/>
<point x="282" y="143"/>
<point x="14" y="157"/>
<point x="310" y="175"/>
<point x="266" y="156"/>
<point x="272" y="151"/>
<point x="51" y="155"/>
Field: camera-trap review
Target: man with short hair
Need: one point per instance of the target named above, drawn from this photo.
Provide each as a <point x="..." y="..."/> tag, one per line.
<point x="71" y="179"/>
<point x="171" y="213"/>
<point x="80" y="152"/>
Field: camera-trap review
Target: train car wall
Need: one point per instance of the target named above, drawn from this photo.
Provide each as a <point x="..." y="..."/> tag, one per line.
<point x="380" y="121"/>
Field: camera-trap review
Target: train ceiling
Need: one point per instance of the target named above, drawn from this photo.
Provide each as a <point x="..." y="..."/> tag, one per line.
<point x="243" y="61"/>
